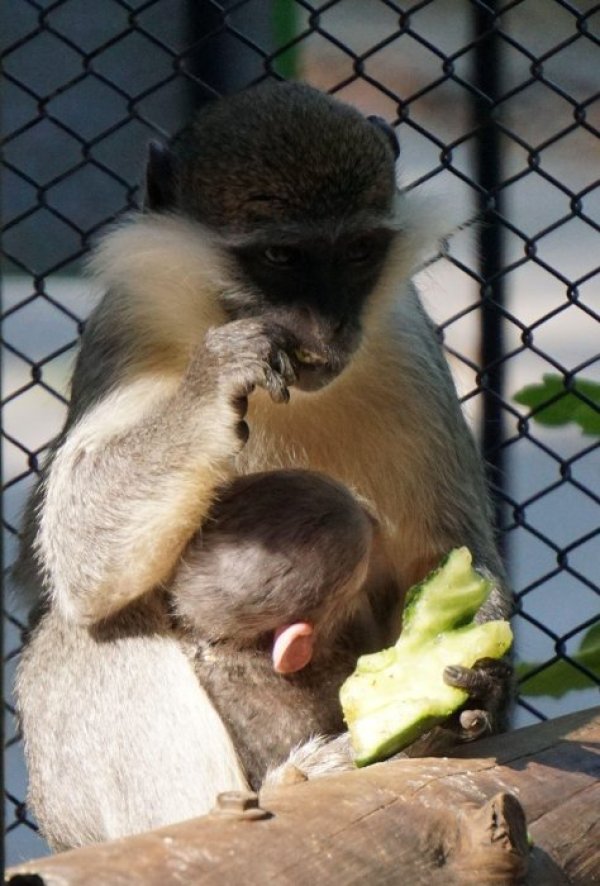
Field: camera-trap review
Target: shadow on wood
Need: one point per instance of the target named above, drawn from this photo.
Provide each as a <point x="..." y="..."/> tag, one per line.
<point x="451" y="821"/>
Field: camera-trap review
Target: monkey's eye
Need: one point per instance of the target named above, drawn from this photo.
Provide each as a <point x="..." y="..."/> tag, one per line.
<point x="359" y="250"/>
<point x="281" y="256"/>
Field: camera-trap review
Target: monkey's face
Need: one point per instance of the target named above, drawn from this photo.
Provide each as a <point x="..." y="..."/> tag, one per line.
<point x="315" y="287"/>
<point x="299" y="190"/>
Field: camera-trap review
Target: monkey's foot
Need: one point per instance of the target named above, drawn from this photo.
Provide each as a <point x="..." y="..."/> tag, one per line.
<point x="317" y="757"/>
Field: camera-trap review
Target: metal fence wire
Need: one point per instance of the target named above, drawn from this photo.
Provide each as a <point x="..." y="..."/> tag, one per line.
<point x="497" y="110"/>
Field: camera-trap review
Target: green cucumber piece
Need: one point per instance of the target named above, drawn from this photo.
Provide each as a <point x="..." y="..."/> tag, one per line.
<point x="396" y="695"/>
<point x="446" y="598"/>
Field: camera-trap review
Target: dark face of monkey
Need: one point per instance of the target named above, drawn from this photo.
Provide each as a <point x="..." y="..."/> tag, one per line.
<point x="299" y="189"/>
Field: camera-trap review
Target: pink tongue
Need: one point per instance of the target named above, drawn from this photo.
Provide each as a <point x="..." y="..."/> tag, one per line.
<point x="292" y="647"/>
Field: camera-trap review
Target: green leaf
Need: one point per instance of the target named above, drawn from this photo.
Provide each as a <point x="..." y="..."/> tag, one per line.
<point x="553" y="404"/>
<point x="286" y="27"/>
<point x="562" y="677"/>
<point x="591" y="641"/>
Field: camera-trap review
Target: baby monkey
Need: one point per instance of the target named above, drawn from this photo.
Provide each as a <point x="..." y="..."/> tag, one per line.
<point x="268" y="596"/>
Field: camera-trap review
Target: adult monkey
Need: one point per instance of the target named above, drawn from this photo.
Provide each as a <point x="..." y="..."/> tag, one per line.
<point x="274" y="253"/>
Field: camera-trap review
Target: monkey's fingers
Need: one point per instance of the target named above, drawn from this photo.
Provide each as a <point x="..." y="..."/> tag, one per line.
<point x="476" y="683"/>
<point x="474" y="724"/>
<point x="488" y="684"/>
<point x="275" y="385"/>
<point x="465" y="726"/>
<point x="283" y="365"/>
<point x="482" y="680"/>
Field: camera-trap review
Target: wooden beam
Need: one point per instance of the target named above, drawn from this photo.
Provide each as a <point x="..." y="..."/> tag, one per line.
<point x="450" y="821"/>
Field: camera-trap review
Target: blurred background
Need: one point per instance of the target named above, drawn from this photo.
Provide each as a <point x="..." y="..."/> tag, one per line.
<point x="497" y="109"/>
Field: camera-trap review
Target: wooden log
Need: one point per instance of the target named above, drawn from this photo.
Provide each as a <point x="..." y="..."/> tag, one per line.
<point x="451" y="821"/>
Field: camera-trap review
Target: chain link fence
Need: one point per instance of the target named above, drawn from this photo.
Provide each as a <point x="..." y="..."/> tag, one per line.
<point x="498" y="112"/>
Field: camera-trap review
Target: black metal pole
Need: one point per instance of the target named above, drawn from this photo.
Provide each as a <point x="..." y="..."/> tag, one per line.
<point x="221" y="62"/>
<point x="2" y="629"/>
<point x="2" y="598"/>
<point x="208" y="65"/>
<point x="488" y="175"/>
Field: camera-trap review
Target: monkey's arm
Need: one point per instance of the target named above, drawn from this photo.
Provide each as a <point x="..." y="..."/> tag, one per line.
<point x="452" y="475"/>
<point x="135" y="475"/>
<point x="489" y="682"/>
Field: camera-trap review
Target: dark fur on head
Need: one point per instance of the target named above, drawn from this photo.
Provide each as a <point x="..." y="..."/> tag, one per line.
<point x="277" y="547"/>
<point x="233" y="178"/>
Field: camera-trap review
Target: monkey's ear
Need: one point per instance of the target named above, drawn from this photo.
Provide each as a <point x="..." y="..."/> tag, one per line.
<point x="160" y="179"/>
<point x="388" y="131"/>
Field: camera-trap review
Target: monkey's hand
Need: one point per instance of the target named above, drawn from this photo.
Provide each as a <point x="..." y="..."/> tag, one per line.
<point x="241" y="355"/>
<point x="489" y="684"/>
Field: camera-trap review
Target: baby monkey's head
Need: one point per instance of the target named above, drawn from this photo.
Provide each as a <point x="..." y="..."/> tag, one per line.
<point x="278" y="566"/>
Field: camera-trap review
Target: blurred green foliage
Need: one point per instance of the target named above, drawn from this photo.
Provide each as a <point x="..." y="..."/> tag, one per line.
<point x="285" y="29"/>
<point x="561" y="676"/>
<point x="553" y="403"/>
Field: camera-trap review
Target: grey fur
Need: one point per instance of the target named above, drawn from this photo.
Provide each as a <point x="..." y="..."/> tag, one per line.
<point x="180" y="387"/>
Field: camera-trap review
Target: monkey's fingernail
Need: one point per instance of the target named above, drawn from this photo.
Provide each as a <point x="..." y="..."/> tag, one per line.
<point x="474" y="723"/>
<point x="276" y="387"/>
<point x="470" y="720"/>
<point x="454" y="674"/>
<point x="285" y="368"/>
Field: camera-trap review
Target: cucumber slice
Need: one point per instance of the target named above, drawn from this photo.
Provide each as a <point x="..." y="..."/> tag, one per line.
<point x="446" y="598"/>
<point x="396" y="695"/>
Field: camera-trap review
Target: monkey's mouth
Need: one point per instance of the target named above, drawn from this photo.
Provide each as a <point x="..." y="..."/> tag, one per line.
<point x="315" y="371"/>
<point x="313" y="378"/>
